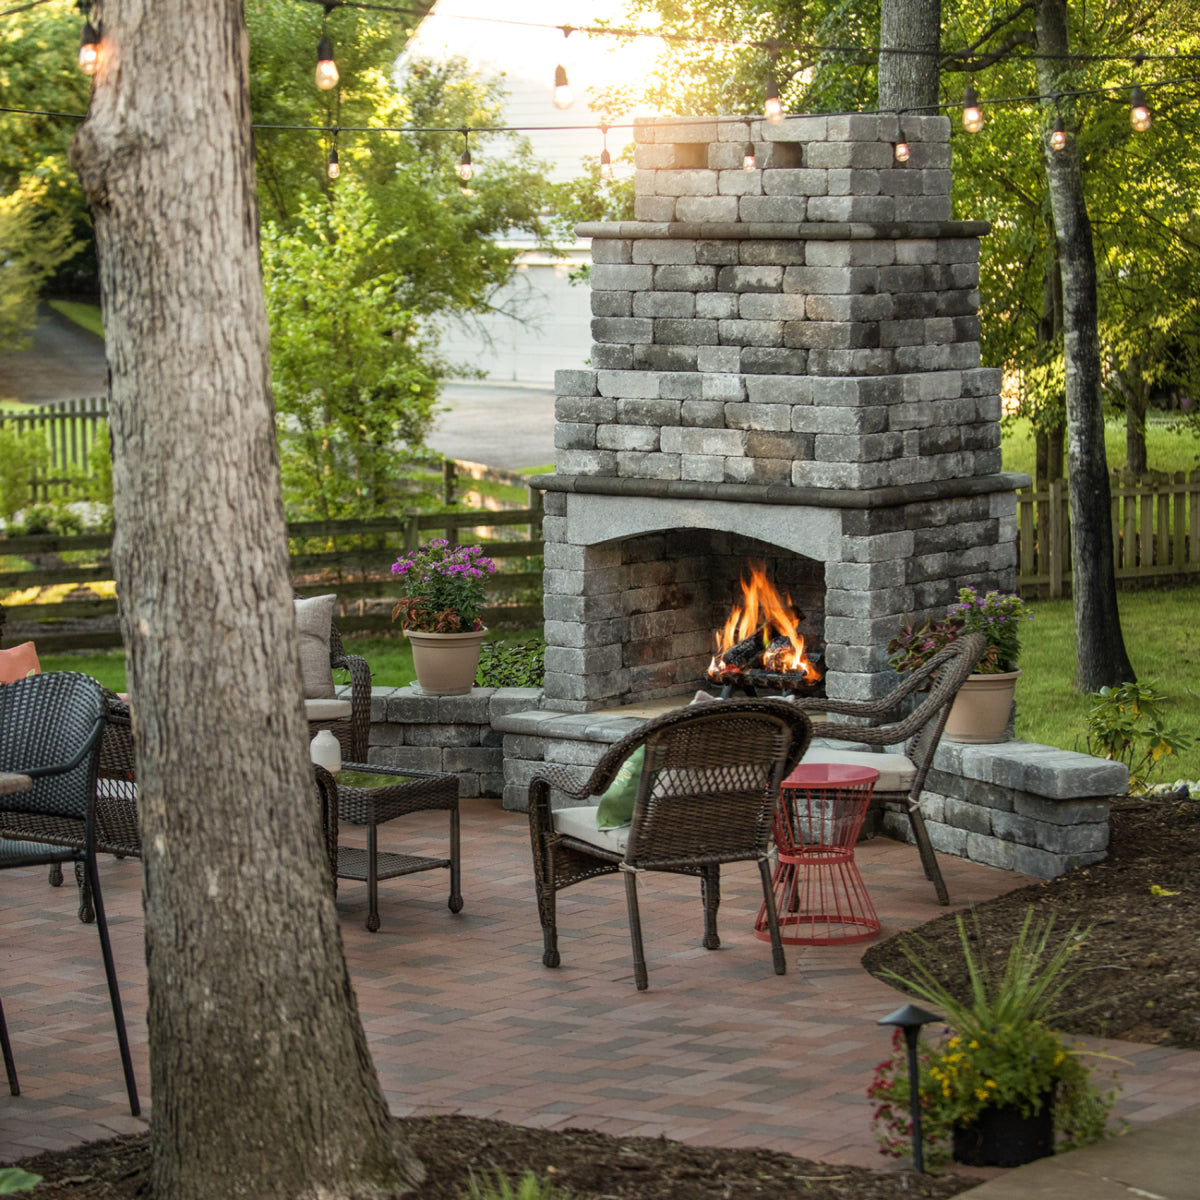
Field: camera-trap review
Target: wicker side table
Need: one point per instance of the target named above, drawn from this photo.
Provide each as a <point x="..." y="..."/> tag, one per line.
<point x="368" y="794"/>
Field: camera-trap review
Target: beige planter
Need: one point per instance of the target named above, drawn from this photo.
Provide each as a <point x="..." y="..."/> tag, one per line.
<point x="446" y="662"/>
<point x="982" y="708"/>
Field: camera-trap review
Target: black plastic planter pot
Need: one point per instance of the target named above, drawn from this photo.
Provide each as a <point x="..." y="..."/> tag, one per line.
<point x="1003" y="1137"/>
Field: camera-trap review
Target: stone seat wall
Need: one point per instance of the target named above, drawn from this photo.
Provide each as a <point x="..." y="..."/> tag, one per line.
<point x="1016" y="805"/>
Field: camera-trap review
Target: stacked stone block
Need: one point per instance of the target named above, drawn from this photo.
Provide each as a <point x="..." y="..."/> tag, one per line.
<point x="805" y="333"/>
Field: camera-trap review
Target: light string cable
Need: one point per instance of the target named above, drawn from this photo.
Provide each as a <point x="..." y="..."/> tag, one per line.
<point x="963" y="59"/>
<point x="1114" y="91"/>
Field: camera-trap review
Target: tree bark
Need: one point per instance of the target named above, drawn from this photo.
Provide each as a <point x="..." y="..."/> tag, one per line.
<point x="1101" y="659"/>
<point x="909" y="82"/>
<point x="261" y="1079"/>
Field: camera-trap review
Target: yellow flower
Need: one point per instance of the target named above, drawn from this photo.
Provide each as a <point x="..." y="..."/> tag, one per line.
<point x="981" y="1093"/>
<point x="989" y="1083"/>
<point x="973" y="1046"/>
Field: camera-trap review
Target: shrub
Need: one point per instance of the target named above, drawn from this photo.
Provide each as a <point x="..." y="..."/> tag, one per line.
<point x="512" y="664"/>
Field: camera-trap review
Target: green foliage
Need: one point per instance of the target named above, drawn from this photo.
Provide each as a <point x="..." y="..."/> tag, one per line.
<point x="529" y="1188"/>
<point x="36" y="239"/>
<point x="1002" y="1050"/>
<point x="13" y="1179"/>
<point x="1125" y="723"/>
<point x="22" y="454"/>
<point x="58" y="519"/>
<point x="38" y="70"/>
<point x="355" y="374"/>
<point x="998" y="617"/>
<point x="512" y="664"/>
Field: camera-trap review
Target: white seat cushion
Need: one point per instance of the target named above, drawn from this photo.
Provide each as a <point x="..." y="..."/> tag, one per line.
<point x="327" y="710"/>
<point x="581" y="823"/>
<point x="896" y="772"/>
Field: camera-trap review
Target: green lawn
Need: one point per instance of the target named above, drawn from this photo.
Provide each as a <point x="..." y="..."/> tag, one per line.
<point x="1166" y="449"/>
<point x="87" y="315"/>
<point x="1162" y="636"/>
<point x="390" y="660"/>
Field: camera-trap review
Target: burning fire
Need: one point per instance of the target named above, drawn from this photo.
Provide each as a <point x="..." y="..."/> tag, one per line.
<point x="763" y="633"/>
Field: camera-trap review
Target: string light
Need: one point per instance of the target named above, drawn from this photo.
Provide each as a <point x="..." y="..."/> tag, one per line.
<point x="333" y="169"/>
<point x="327" y="72"/>
<point x="901" y="150"/>
<point x="89" y="49"/>
<point x="564" y="97"/>
<point x="773" y="106"/>
<point x="749" y="162"/>
<point x="1139" y="111"/>
<point x="465" y="170"/>
<point x="1058" y="139"/>
<point x="972" y="118"/>
<point x="606" y="167"/>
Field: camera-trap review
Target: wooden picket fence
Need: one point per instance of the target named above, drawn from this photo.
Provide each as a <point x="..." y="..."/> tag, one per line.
<point x="351" y="558"/>
<point x="1155" y="531"/>
<point x="70" y="429"/>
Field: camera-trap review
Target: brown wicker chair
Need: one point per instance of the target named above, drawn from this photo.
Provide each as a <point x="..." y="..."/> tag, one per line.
<point x="706" y="795"/>
<point x="882" y="723"/>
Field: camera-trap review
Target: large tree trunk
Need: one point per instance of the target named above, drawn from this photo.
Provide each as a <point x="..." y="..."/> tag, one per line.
<point x="261" y="1080"/>
<point x="1101" y="659"/>
<point x="909" y="82"/>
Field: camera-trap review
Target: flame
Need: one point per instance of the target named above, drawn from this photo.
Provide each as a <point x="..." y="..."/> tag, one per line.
<point x="763" y="608"/>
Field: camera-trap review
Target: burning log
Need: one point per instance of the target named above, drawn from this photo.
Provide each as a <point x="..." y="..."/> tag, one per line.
<point x="746" y="652"/>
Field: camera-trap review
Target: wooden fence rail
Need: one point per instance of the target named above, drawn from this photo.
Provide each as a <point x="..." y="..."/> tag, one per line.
<point x="1155" y="531"/>
<point x="352" y="558"/>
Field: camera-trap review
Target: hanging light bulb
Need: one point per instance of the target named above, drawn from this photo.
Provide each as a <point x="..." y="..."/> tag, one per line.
<point x="1139" y="111"/>
<point x="464" y="169"/>
<point x="327" y="72"/>
<point x="89" y="49"/>
<point x="606" y="167"/>
<point x="749" y="162"/>
<point x="773" y="106"/>
<point x="1058" y="139"/>
<point x="563" y="96"/>
<point x="333" y="170"/>
<point x="902" y="151"/>
<point x="972" y="118"/>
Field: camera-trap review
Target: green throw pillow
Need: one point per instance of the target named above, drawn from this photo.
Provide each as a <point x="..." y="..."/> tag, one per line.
<point x="616" y="805"/>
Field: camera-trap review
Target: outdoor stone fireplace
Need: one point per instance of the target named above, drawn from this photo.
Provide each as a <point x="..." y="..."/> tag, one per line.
<point x="785" y="369"/>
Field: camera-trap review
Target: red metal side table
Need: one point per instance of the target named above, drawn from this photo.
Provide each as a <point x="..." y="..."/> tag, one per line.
<point x="819" y="894"/>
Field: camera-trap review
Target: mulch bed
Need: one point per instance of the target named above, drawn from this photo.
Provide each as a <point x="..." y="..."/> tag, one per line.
<point x="1140" y="963"/>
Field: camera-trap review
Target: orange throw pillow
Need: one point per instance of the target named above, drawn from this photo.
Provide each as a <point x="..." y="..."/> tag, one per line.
<point x="19" y="663"/>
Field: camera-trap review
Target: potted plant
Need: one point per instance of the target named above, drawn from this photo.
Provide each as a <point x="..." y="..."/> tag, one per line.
<point x="439" y="613"/>
<point x="1000" y="1085"/>
<point x="984" y="702"/>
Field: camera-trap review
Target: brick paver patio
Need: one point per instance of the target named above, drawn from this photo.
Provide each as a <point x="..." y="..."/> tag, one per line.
<point x="463" y="1018"/>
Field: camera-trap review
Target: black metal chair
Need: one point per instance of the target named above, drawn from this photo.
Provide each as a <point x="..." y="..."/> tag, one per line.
<point x="50" y="729"/>
<point x="706" y="795"/>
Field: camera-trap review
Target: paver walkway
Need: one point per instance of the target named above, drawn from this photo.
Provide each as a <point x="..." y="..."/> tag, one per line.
<point x="463" y="1018"/>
